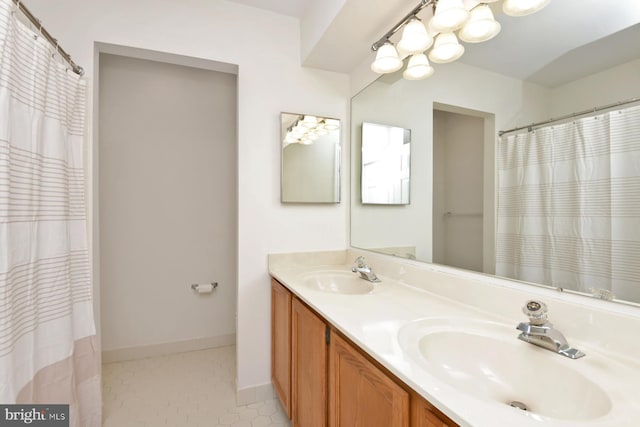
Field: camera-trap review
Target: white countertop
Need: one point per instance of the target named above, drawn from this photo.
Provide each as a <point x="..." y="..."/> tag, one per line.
<point x="407" y="294"/>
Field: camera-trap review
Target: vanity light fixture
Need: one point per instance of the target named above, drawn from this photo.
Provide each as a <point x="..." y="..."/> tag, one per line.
<point x="446" y="48"/>
<point x="415" y="38"/>
<point x="481" y="26"/>
<point x="449" y="15"/>
<point x="523" y="7"/>
<point x="387" y="59"/>
<point x="418" y="68"/>
<point x="473" y="21"/>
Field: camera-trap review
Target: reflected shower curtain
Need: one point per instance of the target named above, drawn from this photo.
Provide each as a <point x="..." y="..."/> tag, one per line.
<point x="48" y="346"/>
<point x="569" y="205"/>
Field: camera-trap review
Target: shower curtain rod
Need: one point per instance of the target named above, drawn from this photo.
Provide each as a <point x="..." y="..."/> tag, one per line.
<point x="38" y="24"/>
<point x="568" y="116"/>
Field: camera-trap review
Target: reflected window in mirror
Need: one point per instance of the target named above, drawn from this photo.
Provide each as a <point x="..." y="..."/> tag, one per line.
<point x="386" y="164"/>
<point x="310" y="171"/>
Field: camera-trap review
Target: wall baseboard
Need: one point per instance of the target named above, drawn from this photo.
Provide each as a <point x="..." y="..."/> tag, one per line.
<point x="142" y="352"/>
<point x="258" y="393"/>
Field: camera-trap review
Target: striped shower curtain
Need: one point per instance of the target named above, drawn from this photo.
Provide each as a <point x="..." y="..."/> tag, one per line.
<point x="569" y="205"/>
<point x="48" y="346"/>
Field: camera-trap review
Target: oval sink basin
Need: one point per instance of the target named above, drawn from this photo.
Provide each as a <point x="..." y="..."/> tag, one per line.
<point x="338" y="282"/>
<point x="487" y="361"/>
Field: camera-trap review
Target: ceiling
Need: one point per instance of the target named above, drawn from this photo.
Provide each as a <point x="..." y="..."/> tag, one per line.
<point x="294" y="8"/>
<point x="568" y="39"/>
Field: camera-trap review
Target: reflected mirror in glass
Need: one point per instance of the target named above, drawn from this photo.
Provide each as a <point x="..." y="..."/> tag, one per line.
<point x="310" y="159"/>
<point x="386" y="164"/>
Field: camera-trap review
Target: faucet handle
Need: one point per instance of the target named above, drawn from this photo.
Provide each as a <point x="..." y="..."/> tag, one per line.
<point x="536" y="311"/>
<point x="360" y="262"/>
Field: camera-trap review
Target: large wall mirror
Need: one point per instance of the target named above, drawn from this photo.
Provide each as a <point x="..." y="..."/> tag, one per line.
<point x="310" y="159"/>
<point x="517" y="79"/>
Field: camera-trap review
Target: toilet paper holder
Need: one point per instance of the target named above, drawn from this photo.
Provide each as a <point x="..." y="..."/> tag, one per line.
<point x="195" y="286"/>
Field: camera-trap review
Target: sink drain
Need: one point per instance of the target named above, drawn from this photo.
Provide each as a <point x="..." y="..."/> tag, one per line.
<point x="518" y="405"/>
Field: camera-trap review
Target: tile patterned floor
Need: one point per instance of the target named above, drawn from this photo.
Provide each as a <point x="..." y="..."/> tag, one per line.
<point x="195" y="389"/>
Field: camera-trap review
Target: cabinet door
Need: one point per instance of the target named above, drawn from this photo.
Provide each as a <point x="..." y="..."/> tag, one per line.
<point x="309" y="373"/>
<point x="281" y="343"/>
<point x="361" y="395"/>
<point x="425" y="415"/>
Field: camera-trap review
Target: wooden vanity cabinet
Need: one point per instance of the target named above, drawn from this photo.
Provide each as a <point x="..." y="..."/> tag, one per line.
<point x="323" y="379"/>
<point x="361" y="395"/>
<point x="281" y="343"/>
<point x="309" y="335"/>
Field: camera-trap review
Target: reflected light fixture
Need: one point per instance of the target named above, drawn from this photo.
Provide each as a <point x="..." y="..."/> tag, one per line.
<point x="307" y="129"/>
<point x="473" y="20"/>
<point x="309" y="122"/>
<point x="331" y="124"/>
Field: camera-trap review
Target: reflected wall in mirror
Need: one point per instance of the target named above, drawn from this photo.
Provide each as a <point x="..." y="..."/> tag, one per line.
<point x="386" y="164"/>
<point x="310" y="159"/>
<point x="500" y="99"/>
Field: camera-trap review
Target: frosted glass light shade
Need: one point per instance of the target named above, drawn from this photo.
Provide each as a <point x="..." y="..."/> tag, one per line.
<point x="446" y="49"/>
<point x="523" y="7"/>
<point x="415" y="38"/>
<point x="450" y="15"/>
<point x="418" y="68"/>
<point x="480" y="27"/>
<point x="387" y="60"/>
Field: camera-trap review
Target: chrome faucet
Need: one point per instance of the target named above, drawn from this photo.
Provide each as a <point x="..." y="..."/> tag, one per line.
<point x="366" y="273"/>
<point x="539" y="331"/>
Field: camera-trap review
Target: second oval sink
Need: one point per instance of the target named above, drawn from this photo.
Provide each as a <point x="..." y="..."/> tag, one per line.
<point x="486" y="361"/>
<point x="338" y="282"/>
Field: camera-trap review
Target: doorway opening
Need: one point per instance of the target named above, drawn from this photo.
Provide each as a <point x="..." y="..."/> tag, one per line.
<point x="462" y="195"/>
<point x="165" y="191"/>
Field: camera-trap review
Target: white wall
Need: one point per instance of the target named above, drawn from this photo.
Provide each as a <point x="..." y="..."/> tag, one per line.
<point x="266" y="48"/>
<point x="610" y="86"/>
<point x="317" y="18"/>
